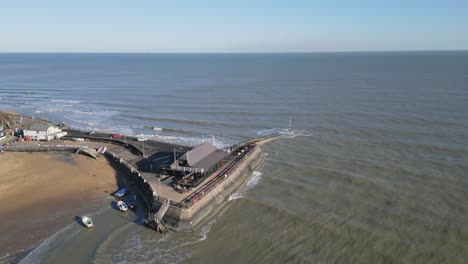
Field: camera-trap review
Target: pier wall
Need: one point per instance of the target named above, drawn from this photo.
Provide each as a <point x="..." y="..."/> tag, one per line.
<point x="143" y="187"/>
<point x="189" y="217"/>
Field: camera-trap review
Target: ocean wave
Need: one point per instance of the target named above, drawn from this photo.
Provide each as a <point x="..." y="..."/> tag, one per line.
<point x="203" y="234"/>
<point x="79" y="121"/>
<point x="173" y="130"/>
<point x="171" y="120"/>
<point x="82" y="112"/>
<point x="254" y="180"/>
<point x="283" y="132"/>
<point x="288" y="133"/>
<point x="54" y="241"/>
<point x="37" y="254"/>
<point x="52" y="110"/>
<point x="187" y="141"/>
<point x="219" y="143"/>
<point x="66" y="101"/>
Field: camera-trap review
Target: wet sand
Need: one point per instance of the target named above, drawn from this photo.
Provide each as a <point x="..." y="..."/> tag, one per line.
<point x="40" y="193"/>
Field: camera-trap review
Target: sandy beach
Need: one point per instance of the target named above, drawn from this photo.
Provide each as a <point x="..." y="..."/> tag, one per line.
<point x="40" y="193"/>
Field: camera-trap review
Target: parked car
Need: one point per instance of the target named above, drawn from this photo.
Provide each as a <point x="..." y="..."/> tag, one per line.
<point x="142" y="139"/>
<point x="91" y="132"/>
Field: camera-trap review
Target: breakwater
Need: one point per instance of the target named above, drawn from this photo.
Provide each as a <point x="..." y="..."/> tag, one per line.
<point x="188" y="214"/>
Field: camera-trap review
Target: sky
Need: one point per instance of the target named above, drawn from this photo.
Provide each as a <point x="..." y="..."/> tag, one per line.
<point x="232" y="25"/>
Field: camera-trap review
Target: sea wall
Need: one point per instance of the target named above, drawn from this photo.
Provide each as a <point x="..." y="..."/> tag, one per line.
<point x="143" y="187"/>
<point x="83" y="150"/>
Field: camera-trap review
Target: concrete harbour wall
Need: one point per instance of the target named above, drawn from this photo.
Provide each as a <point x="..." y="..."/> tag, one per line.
<point x="187" y="219"/>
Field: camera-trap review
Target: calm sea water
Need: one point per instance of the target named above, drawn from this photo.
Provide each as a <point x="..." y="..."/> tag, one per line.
<point x="374" y="171"/>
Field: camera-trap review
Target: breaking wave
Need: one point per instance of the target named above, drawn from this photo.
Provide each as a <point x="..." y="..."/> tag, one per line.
<point x="79" y="121"/>
<point x="219" y="143"/>
<point x="203" y="234"/>
<point x="283" y="132"/>
<point x="66" y="101"/>
<point x="254" y="180"/>
<point x="82" y="112"/>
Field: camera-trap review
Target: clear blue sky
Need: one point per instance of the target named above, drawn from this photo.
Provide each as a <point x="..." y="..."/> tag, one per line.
<point x="231" y="25"/>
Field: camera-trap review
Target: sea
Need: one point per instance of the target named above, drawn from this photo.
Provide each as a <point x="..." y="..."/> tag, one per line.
<point x="371" y="166"/>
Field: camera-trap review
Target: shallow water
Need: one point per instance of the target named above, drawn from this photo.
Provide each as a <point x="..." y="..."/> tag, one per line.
<point x="374" y="171"/>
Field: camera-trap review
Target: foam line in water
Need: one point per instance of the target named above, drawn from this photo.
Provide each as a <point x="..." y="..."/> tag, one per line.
<point x="203" y="234"/>
<point x="79" y="121"/>
<point x="283" y="132"/>
<point x="82" y="112"/>
<point x="35" y="256"/>
<point x="66" y="101"/>
<point x="188" y="141"/>
<point x="254" y="180"/>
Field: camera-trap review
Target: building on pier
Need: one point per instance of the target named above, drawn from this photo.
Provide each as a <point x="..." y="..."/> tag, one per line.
<point x="197" y="164"/>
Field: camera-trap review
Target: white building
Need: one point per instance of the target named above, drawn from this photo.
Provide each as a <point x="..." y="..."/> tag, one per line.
<point x="43" y="131"/>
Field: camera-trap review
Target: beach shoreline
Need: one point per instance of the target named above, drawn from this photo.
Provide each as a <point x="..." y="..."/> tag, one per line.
<point x="41" y="193"/>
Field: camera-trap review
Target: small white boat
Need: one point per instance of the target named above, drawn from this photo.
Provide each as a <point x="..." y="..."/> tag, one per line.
<point x="122" y="206"/>
<point x="87" y="221"/>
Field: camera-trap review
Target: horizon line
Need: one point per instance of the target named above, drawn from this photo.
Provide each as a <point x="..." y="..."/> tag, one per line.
<point x="231" y="52"/>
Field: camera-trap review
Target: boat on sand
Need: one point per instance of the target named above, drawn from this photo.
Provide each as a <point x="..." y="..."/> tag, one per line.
<point x="121" y="192"/>
<point x="87" y="221"/>
<point x="122" y="206"/>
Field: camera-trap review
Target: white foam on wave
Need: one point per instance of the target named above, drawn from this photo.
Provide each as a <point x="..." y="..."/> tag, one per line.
<point x="268" y="132"/>
<point x="66" y="101"/>
<point x="203" y="234"/>
<point x="254" y="180"/>
<point x="82" y="112"/>
<point x="66" y="233"/>
<point x="79" y="121"/>
<point x="287" y="133"/>
<point x="26" y="106"/>
<point x="53" y="110"/>
<point x="142" y="248"/>
<point x="283" y="132"/>
<point x="37" y="254"/>
<point x="219" y="143"/>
